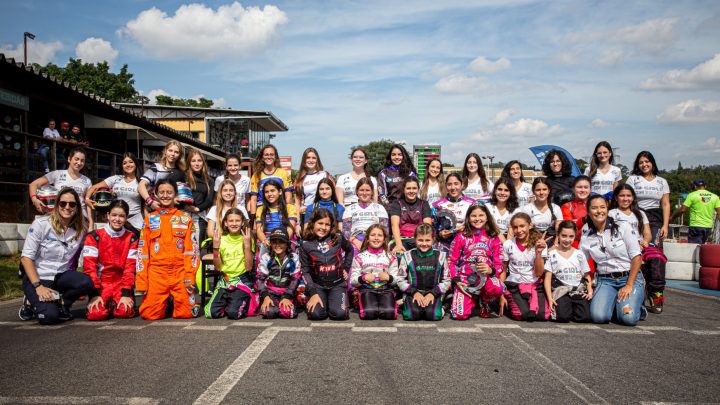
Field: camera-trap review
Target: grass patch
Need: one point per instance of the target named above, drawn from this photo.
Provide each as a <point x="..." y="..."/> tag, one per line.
<point x="10" y="283"/>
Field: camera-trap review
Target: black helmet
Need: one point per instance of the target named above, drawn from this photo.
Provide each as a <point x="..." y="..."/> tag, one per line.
<point x="102" y="198"/>
<point x="563" y="197"/>
<point x="445" y="220"/>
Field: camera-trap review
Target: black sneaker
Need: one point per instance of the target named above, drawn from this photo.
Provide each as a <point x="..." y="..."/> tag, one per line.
<point x="26" y="313"/>
<point x="65" y="314"/>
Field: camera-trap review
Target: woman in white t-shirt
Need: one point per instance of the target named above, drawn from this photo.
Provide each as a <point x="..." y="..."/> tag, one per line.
<point x="604" y="177"/>
<point x="433" y="187"/>
<point x="64" y="178"/>
<point x="653" y="194"/>
<point x="545" y="215"/>
<point x="358" y="217"/>
<point x="242" y="183"/>
<point x="503" y="205"/>
<point x="523" y="191"/>
<point x="125" y="188"/>
<point x="624" y="208"/>
<point x="475" y="182"/>
<point x="347" y="183"/>
<point x="310" y="173"/>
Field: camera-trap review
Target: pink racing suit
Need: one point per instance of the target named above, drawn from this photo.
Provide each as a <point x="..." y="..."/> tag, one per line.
<point x="465" y="252"/>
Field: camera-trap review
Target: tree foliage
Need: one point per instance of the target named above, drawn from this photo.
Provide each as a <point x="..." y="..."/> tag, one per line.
<point x="183" y="102"/>
<point x="97" y="79"/>
<point x="377" y="152"/>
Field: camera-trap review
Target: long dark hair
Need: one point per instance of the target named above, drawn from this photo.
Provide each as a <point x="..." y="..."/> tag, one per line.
<point x="232" y="211"/>
<point x="588" y="217"/>
<point x="282" y="205"/>
<point x="407" y="181"/>
<point x="595" y="162"/>
<point x="566" y="167"/>
<point x="633" y="206"/>
<point x="229" y="157"/>
<point x="506" y="170"/>
<point x="512" y="203"/>
<point x="131" y="156"/>
<point x="490" y="227"/>
<point x="649" y="156"/>
<point x="259" y="164"/>
<point x="458" y="177"/>
<point x="299" y="192"/>
<point x="318" y="214"/>
<point x="365" y="181"/>
<point x="481" y="172"/>
<point x="406" y="167"/>
<point x="426" y="182"/>
<point x="330" y="183"/>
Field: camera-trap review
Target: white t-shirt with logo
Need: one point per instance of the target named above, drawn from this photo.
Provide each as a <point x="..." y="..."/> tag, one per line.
<point x="309" y="186"/>
<point x="568" y="271"/>
<point x="242" y="188"/>
<point x="363" y="217"/>
<point x="433" y="193"/>
<point x="501" y="220"/>
<point x="521" y="264"/>
<point x="476" y="192"/>
<point x="619" y="216"/>
<point x="648" y="193"/>
<point x="348" y="183"/>
<point x="62" y="178"/>
<point x="611" y="251"/>
<point x="602" y="183"/>
<point x="524" y="194"/>
<point x="127" y="191"/>
<point x="542" y="220"/>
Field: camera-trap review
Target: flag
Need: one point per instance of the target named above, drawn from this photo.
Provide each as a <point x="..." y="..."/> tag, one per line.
<point x="540" y="151"/>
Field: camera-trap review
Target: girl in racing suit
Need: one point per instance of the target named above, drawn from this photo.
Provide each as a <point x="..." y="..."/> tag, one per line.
<point x="278" y="276"/>
<point x="325" y="260"/>
<point x="374" y="272"/>
<point x="110" y="259"/>
<point x="475" y="264"/>
<point x="398" y="166"/>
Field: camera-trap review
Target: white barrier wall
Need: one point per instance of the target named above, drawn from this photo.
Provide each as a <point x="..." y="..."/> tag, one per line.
<point x="683" y="261"/>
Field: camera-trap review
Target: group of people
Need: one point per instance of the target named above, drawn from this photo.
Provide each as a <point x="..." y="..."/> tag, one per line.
<point x="562" y="248"/>
<point x="68" y="135"/>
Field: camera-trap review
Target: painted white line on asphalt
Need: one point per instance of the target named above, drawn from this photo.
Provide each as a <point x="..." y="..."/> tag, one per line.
<point x="663" y="328"/>
<point x="93" y="323"/>
<point x="292" y="328"/>
<point x="171" y="323"/>
<point x="414" y="325"/>
<point x="572" y="384"/>
<point x="332" y="325"/>
<point x="460" y="330"/>
<point x="377" y="329"/>
<point x="122" y="327"/>
<point x="705" y="332"/>
<point x="13" y="323"/>
<point x="252" y="324"/>
<point x="43" y="327"/>
<point x="555" y="331"/>
<point x="670" y="403"/>
<point x="498" y="326"/>
<point x="571" y="326"/>
<point x="632" y="331"/>
<point x="217" y="391"/>
<point x="205" y="327"/>
<point x="80" y="400"/>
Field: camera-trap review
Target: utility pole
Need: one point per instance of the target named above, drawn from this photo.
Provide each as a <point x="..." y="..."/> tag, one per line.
<point x="27" y="35"/>
<point x="492" y="169"/>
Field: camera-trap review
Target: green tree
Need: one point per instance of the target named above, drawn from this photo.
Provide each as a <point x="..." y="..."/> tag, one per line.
<point x="376" y="151"/>
<point x="582" y="164"/>
<point x="183" y="102"/>
<point x="97" y="79"/>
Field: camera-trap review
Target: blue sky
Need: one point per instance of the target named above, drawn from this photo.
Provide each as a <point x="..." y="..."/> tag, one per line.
<point x="492" y="77"/>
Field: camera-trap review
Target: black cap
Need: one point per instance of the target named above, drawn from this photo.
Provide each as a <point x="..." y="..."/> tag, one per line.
<point x="699" y="182"/>
<point x="279" y="234"/>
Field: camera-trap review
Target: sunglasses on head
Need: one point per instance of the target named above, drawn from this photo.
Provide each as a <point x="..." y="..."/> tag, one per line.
<point x="70" y="204"/>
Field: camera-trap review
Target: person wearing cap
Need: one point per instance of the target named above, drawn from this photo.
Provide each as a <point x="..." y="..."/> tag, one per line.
<point x="278" y="277"/>
<point x="703" y="205"/>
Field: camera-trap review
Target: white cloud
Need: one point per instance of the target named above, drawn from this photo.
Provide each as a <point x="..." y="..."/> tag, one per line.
<point x="502" y="116"/>
<point x="38" y="52"/>
<point x="483" y="65"/>
<point x="219" y="102"/>
<point x="701" y="77"/>
<point x="158" y="92"/>
<point x="691" y="112"/>
<point x="462" y="84"/>
<point x="442" y="70"/>
<point x="530" y="127"/>
<point x="598" y="123"/>
<point x="198" y="31"/>
<point x="94" y="50"/>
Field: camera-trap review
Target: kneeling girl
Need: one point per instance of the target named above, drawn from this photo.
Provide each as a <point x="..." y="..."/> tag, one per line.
<point x="278" y="276"/>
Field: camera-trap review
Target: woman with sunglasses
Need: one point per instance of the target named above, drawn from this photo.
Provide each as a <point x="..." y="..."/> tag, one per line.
<point x="49" y="260"/>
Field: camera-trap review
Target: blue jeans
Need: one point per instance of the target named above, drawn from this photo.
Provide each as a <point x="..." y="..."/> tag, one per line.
<point x="698" y="234"/>
<point x="605" y="301"/>
<point x="44" y="151"/>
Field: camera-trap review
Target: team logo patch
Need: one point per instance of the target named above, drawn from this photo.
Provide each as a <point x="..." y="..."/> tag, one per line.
<point x="179" y="244"/>
<point x="185" y="219"/>
<point x="154" y="222"/>
<point x="156" y="247"/>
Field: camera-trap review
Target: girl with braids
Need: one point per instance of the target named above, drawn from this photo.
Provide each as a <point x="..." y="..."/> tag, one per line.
<point x="433" y="186"/>
<point x="615" y="249"/>
<point x="604" y="176"/>
<point x="346" y="183"/>
<point x="475" y="182"/>
<point x="398" y="166"/>
<point x="513" y="172"/>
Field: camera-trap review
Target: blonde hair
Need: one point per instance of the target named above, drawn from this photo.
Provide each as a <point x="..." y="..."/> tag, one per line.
<point x="189" y="172"/>
<point x="181" y="158"/>
<point x="219" y="203"/>
<point x="77" y="222"/>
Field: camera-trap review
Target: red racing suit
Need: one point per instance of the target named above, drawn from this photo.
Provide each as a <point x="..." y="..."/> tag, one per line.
<point x="170" y="258"/>
<point x="109" y="259"/>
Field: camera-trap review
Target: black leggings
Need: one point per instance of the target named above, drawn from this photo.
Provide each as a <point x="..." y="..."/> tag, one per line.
<point x="334" y="304"/>
<point x="233" y="303"/>
<point x="576" y="309"/>
<point x="377" y="303"/>
<point x="71" y="284"/>
<point x="413" y="312"/>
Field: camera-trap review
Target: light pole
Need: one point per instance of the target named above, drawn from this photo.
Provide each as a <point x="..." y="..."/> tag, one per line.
<point x="492" y="170"/>
<point x="27" y="35"/>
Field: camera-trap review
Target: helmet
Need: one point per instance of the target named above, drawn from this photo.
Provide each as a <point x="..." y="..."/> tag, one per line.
<point x="103" y="197"/>
<point x="445" y="220"/>
<point x="564" y="197"/>
<point x="48" y="196"/>
<point x="184" y="193"/>
<point x="475" y="281"/>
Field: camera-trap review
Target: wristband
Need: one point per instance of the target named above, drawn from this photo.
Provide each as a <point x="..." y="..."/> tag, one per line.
<point x="149" y="201"/>
<point x="216" y="254"/>
<point x="36" y="284"/>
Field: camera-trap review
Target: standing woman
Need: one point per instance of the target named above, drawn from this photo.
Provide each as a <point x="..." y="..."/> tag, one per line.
<point x="65" y="178"/>
<point x="266" y="167"/>
<point x="604" y="176"/>
<point x="125" y="187"/>
<point x="557" y="168"/>
<point x="475" y="182"/>
<point x="502" y="206"/>
<point x="347" y="182"/>
<point x="653" y="194"/>
<point x="615" y="249"/>
<point x="456" y="204"/>
<point x="545" y="216"/>
<point x="513" y="172"/>
<point x="171" y="167"/>
<point x="398" y="166"/>
<point x="202" y="193"/>
<point x="576" y="210"/>
<point x="433" y="186"/>
<point x="406" y="214"/>
<point x="242" y="183"/>
<point x="310" y="173"/>
<point x="48" y="259"/>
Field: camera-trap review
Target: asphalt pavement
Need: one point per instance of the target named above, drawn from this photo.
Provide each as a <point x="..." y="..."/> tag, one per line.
<point x="670" y="358"/>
